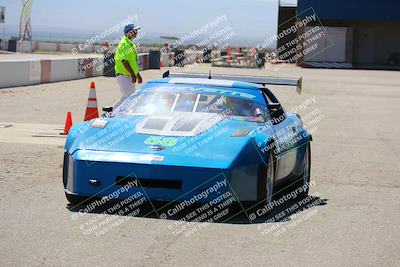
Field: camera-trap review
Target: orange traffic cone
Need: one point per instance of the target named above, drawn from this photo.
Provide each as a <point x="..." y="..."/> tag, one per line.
<point x="91" y="109"/>
<point x="68" y="124"/>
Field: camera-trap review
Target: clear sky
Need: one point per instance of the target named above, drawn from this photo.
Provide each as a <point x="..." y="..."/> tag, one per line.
<point x="251" y="20"/>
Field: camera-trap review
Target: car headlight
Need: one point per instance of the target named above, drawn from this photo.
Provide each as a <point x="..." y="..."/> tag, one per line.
<point x="241" y="132"/>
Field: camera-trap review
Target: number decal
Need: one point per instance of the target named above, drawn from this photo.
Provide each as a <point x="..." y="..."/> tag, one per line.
<point x="168" y="141"/>
<point x="153" y="140"/>
<point x="160" y="140"/>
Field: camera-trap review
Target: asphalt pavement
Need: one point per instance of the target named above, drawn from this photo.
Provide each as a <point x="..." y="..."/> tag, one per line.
<point x="351" y="219"/>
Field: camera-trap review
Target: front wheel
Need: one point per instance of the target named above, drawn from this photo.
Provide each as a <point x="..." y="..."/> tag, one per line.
<point x="270" y="178"/>
<point x="75" y="200"/>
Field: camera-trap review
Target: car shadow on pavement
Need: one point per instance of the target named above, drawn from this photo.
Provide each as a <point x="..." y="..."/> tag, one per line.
<point x="230" y="213"/>
<point x="281" y="212"/>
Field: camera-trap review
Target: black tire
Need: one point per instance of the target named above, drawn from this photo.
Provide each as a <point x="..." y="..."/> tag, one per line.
<point x="304" y="180"/>
<point x="75" y="200"/>
<point x="270" y="178"/>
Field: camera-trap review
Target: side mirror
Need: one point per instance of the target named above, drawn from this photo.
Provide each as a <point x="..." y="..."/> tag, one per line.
<point x="274" y="106"/>
<point x="108" y="109"/>
<point x="108" y="112"/>
<point x="277" y="113"/>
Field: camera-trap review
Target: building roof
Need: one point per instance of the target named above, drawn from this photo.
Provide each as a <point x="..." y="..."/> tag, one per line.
<point x="384" y="10"/>
<point x="288" y="3"/>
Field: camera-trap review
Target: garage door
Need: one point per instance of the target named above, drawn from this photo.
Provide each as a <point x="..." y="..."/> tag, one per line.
<point x="331" y="46"/>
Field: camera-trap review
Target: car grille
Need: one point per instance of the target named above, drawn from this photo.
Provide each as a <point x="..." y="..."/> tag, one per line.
<point x="150" y="183"/>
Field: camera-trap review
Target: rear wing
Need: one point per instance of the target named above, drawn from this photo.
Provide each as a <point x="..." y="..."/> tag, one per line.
<point x="240" y="78"/>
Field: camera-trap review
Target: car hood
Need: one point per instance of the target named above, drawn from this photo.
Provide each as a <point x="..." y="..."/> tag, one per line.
<point x="205" y="141"/>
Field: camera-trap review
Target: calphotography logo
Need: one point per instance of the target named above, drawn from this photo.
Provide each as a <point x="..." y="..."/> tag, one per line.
<point x="212" y="201"/>
<point x="124" y="199"/>
<point x="296" y="42"/>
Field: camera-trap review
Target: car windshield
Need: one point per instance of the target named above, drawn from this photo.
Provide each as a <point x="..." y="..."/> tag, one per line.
<point x="159" y="102"/>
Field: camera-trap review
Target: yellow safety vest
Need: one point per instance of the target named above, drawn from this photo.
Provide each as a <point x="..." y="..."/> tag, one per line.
<point x="126" y="50"/>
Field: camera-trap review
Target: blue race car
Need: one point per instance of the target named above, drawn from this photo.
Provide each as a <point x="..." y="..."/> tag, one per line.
<point x="190" y="136"/>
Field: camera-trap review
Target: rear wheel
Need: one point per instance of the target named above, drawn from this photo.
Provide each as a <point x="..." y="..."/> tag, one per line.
<point x="305" y="179"/>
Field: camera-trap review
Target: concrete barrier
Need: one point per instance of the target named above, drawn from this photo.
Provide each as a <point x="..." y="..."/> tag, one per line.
<point x="66" y="69"/>
<point x="24" y="47"/>
<point x="30" y="72"/>
<point x="19" y="73"/>
<point x="36" y="71"/>
<point x="67" y="47"/>
<point x="143" y="61"/>
<point x="4" y="44"/>
<point x="63" y="47"/>
<point x="98" y="68"/>
<point x="45" y="46"/>
<point x="53" y="46"/>
<point x="165" y="59"/>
